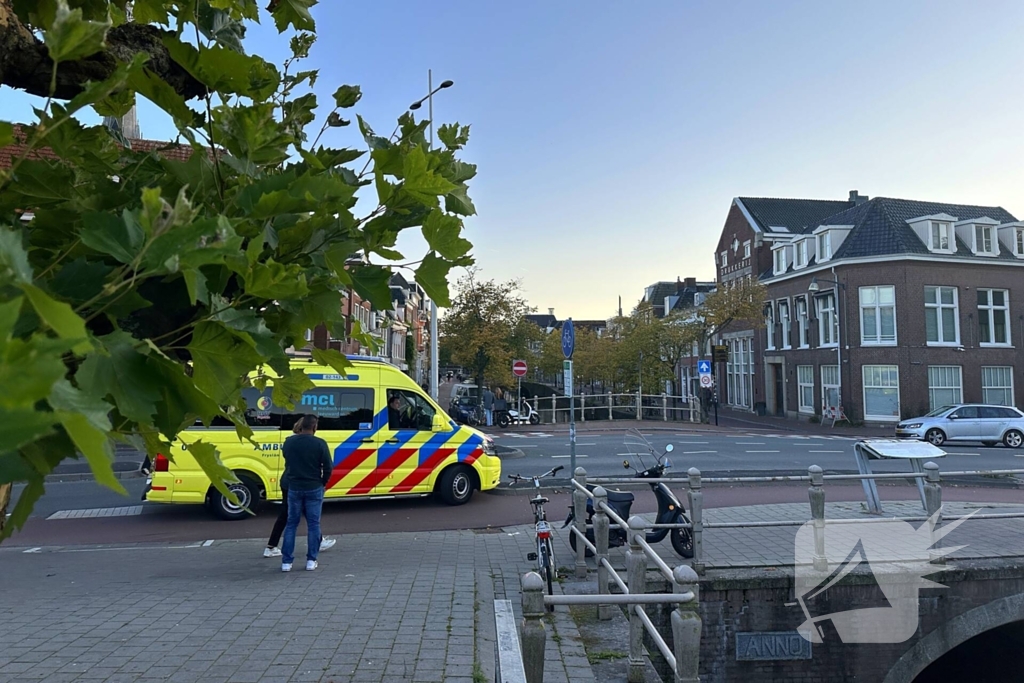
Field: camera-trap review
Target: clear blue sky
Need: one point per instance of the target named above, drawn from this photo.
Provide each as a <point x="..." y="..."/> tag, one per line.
<point x="611" y="136"/>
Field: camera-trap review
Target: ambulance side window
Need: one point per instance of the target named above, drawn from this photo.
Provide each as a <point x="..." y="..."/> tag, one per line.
<point x="413" y="411"/>
<point x="258" y="412"/>
<point x="339" y="409"/>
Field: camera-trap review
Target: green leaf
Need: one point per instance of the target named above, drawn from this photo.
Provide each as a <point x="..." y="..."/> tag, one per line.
<point x="273" y="280"/>
<point x="207" y="456"/>
<point x="347" y="95"/>
<point x="9" y="311"/>
<point x="150" y="12"/>
<point x="442" y="234"/>
<point x="453" y="135"/>
<point x="32" y="492"/>
<point x="334" y="359"/>
<point x="195" y="281"/>
<point x="336" y="258"/>
<point x="457" y="201"/>
<point x="252" y="134"/>
<point x="160" y="93"/>
<point x="120" y="371"/>
<point x="59" y="317"/>
<point x="80" y="280"/>
<point x="121" y="238"/>
<point x="217" y="25"/>
<point x="288" y="389"/>
<point x="70" y="37"/>
<point x="19" y="426"/>
<point x="421" y="183"/>
<point x="110" y="96"/>
<point x="14" y="266"/>
<point x="181" y="402"/>
<point x="220" y="360"/>
<point x="84" y="418"/>
<point x="225" y="70"/>
<point x="371" y="282"/>
<point x="6" y="134"/>
<point x="294" y="12"/>
<point x="432" y="275"/>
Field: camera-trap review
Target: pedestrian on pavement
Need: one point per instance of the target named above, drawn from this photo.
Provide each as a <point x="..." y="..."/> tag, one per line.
<point x="282" y="518"/>
<point x="488" y="398"/>
<point x="307" y="469"/>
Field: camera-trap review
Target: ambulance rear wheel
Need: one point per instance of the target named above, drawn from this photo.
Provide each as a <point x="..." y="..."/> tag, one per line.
<point x="247" y="492"/>
<point x="456" y="485"/>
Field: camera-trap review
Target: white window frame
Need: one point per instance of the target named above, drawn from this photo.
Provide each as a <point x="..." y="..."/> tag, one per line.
<point x="938" y="306"/>
<point x="829" y="383"/>
<point x="1018" y="241"/>
<point x="941" y="226"/>
<point x="824" y="246"/>
<point x="746" y="249"/>
<point x="802" y="384"/>
<point x="989" y="312"/>
<point x="987" y="385"/>
<point x="803" y="323"/>
<point x="820" y="311"/>
<point x="725" y="258"/>
<point x="769" y="323"/>
<point x="877" y="306"/>
<point x="866" y="387"/>
<point x="993" y="242"/>
<point x="800" y="254"/>
<point x="956" y="386"/>
<point x="779" y="261"/>
<point x="785" y="323"/>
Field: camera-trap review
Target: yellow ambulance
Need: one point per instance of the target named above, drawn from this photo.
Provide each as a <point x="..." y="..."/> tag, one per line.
<point x="415" y="451"/>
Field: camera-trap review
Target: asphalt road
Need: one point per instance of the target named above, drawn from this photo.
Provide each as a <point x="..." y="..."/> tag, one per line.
<point x="728" y="453"/>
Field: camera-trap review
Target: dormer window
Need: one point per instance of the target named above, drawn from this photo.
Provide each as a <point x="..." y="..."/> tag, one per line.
<point x="780" y="261"/>
<point x="824" y="246"/>
<point x="800" y="255"/>
<point x="983" y="242"/>
<point x="1018" y="240"/>
<point x="942" y="236"/>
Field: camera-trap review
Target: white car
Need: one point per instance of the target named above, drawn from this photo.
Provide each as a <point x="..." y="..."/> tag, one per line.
<point x="967" y="422"/>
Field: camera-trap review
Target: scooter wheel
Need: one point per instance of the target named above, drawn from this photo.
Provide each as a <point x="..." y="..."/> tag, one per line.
<point x="534" y="419"/>
<point x="682" y="542"/>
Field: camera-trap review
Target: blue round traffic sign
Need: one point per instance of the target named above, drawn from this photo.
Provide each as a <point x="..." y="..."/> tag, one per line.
<point x="568" y="338"/>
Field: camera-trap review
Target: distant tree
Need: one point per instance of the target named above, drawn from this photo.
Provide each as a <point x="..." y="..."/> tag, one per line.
<point x="485" y="328"/>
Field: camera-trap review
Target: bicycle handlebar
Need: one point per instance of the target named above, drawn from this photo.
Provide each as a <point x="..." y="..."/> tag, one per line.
<point x="550" y="473"/>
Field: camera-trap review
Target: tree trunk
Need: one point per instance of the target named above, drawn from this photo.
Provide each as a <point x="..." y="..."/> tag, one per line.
<point x="5" y="499"/>
<point x="25" y="63"/>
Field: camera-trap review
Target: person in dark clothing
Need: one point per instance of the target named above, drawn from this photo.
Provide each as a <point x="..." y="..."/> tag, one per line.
<point x="307" y="468"/>
<point x="396" y="418"/>
<point x="282" y="518"/>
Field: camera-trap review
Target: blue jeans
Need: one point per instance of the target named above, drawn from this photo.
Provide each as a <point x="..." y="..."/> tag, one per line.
<point x="489" y="414"/>
<point x="308" y="503"/>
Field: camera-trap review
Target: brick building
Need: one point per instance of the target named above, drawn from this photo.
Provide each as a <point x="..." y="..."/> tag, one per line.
<point x="911" y="306"/>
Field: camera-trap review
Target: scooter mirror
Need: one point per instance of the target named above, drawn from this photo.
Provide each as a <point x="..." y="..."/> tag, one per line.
<point x="625" y="463"/>
<point x="669" y="448"/>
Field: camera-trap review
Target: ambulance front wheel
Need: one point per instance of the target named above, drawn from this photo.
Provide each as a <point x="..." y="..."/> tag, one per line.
<point x="455" y="487"/>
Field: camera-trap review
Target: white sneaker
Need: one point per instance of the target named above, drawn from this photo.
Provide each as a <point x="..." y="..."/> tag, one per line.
<point x="271" y="552"/>
<point x="286" y="567"/>
<point x="327" y="543"/>
<point x="310" y="565"/>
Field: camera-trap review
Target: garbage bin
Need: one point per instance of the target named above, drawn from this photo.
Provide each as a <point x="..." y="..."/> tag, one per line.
<point x="760" y="408"/>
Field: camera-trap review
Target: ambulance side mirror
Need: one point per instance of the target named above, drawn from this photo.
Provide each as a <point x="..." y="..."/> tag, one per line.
<point x="440" y="424"/>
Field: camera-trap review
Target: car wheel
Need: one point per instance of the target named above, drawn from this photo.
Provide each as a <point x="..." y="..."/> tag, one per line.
<point x="1013" y="439"/>
<point x="935" y="437"/>
<point x="456" y="485"/>
<point x="247" y="492"/>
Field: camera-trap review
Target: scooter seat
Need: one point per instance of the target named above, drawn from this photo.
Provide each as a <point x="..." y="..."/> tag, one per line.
<point x="620" y="497"/>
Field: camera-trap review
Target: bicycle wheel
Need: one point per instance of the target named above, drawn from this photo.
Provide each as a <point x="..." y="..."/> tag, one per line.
<point x="544" y="563"/>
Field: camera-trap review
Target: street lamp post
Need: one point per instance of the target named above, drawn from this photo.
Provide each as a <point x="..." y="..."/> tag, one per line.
<point x="429" y="99"/>
<point x="813" y="288"/>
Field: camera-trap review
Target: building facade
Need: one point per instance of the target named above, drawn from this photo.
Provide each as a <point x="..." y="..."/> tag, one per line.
<point x="883" y="310"/>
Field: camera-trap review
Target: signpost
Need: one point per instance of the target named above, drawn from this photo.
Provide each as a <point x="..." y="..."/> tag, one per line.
<point x="568" y="346"/>
<point x="519" y="370"/>
<point x="705" y="370"/>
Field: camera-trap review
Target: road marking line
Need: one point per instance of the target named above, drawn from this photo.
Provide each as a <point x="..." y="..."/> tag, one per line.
<point x="128" y="511"/>
<point x="207" y="544"/>
<point x="762" y="451"/>
<point x="697" y="452"/>
<point x="527" y="446"/>
<point x="141" y="547"/>
<point x="826" y="451"/>
<point x="750" y="443"/>
<point x="32" y="550"/>
<point x="692" y="443"/>
<point x="568" y="456"/>
<point x="582" y="444"/>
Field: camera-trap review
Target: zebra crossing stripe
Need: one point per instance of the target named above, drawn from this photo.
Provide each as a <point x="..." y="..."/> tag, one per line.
<point x="128" y="511"/>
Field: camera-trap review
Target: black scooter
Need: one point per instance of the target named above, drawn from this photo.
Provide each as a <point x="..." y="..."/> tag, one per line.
<point x="670" y="510"/>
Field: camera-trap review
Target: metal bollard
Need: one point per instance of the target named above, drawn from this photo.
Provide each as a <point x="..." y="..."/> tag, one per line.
<point x="933" y="500"/>
<point x="554" y="414"/>
<point x="639" y="406"/>
<point x="636" y="567"/>
<point x="816" y="492"/>
<point x="686" y="626"/>
<point x="664" y="407"/>
<point x="610" y="403"/>
<point x="533" y="634"/>
<point x="579" y="500"/>
<point x="604" y="612"/>
<point x="583" y="406"/>
<point x="696" y="498"/>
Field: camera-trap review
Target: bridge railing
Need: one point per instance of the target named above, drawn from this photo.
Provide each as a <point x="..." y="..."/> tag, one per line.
<point x="816" y="493"/>
<point x="601" y="407"/>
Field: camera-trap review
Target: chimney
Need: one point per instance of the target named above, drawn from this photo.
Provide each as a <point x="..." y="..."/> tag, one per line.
<point x="857" y="198"/>
<point x="690" y="282"/>
<point x="551" y="312"/>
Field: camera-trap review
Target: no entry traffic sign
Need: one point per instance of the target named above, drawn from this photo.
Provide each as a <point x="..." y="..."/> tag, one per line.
<point x="519" y="368"/>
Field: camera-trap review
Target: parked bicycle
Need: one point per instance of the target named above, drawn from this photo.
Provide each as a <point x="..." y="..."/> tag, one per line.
<point x="545" y="555"/>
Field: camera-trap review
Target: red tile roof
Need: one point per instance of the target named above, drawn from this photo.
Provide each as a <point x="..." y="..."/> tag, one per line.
<point x="166" y="149"/>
